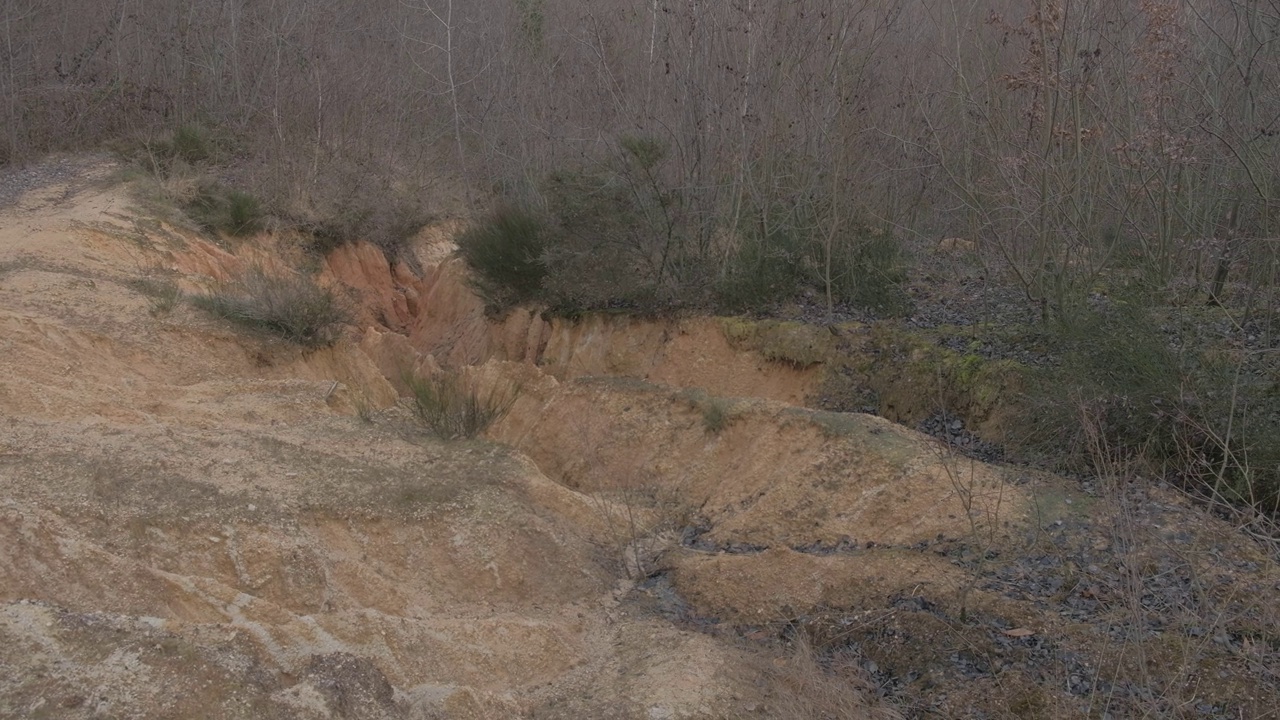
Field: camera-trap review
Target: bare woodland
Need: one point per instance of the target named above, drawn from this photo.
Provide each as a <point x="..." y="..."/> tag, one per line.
<point x="1066" y="136"/>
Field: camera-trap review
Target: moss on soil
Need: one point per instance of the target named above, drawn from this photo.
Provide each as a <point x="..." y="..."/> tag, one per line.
<point x="906" y="375"/>
<point x="794" y="343"/>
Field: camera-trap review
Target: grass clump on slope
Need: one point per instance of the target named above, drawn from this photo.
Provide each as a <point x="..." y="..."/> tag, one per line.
<point x="455" y="407"/>
<point x="291" y="306"/>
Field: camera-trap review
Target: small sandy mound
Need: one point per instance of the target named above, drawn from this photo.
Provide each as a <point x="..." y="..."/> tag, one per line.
<point x="773" y="476"/>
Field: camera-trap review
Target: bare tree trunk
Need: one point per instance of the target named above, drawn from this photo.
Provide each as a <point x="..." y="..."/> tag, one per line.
<point x="447" y="49"/>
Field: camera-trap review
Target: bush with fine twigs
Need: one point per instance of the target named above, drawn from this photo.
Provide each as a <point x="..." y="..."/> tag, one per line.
<point x="291" y="306"/>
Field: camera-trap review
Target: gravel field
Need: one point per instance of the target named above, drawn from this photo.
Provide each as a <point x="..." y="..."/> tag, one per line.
<point x="76" y="172"/>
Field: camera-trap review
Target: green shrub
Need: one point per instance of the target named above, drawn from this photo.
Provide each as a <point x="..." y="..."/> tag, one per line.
<point x="162" y="293"/>
<point x="187" y="145"/>
<point x="244" y="214"/>
<point x="870" y="273"/>
<point x="1118" y="366"/>
<point x="624" y="237"/>
<point x="506" y="252"/>
<point x="1136" y="383"/>
<point x="767" y="268"/>
<point x="216" y="208"/>
<point x="621" y="236"/>
<point x="190" y="143"/>
<point x="291" y="306"/>
<point x="453" y="407"/>
<point x="785" y="257"/>
<point x="603" y="251"/>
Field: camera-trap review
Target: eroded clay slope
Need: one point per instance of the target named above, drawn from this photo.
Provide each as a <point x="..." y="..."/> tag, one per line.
<point x="195" y="523"/>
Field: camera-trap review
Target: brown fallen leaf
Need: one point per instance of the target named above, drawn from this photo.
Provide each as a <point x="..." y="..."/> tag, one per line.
<point x="1019" y="632"/>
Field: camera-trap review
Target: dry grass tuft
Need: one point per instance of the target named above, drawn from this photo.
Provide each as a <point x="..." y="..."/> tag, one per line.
<point x="798" y="684"/>
<point x="163" y="293"/>
<point x="291" y="306"/>
<point x="455" y="407"/>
